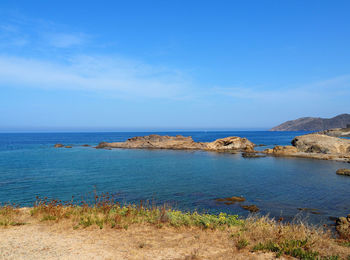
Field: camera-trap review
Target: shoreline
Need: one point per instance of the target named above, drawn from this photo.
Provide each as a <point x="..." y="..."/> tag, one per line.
<point x="132" y="231"/>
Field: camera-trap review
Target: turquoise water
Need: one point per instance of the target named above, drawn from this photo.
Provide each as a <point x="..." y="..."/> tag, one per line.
<point x="30" y="167"/>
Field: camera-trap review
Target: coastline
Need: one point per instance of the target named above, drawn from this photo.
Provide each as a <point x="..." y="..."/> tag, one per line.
<point x="131" y="231"/>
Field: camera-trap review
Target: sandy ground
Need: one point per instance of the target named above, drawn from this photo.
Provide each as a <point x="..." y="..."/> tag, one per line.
<point x="57" y="241"/>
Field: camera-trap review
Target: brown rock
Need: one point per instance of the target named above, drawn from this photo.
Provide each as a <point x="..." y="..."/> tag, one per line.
<point x="252" y="155"/>
<point x="231" y="143"/>
<point x="68" y="146"/>
<point x="284" y="150"/>
<point x="231" y="200"/>
<point x="102" y="145"/>
<point x="268" y="151"/>
<point x="58" y="145"/>
<point x="317" y="143"/>
<point x="251" y="208"/>
<point x="315" y="146"/>
<point x="156" y="142"/>
<point x="345" y="172"/>
<point x="336" y="132"/>
<point x="179" y="142"/>
<point x="342" y="226"/>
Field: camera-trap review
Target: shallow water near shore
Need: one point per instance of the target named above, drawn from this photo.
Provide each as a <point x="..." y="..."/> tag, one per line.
<point x="188" y="180"/>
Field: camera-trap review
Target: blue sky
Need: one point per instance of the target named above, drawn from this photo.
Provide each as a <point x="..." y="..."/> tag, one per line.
<point x="114" y="65"/>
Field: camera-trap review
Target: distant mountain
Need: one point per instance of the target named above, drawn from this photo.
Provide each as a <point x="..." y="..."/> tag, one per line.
<point x="314" y="123"/>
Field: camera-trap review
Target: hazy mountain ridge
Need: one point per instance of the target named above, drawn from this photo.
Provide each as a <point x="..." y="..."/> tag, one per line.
<point x="314" y="123"/>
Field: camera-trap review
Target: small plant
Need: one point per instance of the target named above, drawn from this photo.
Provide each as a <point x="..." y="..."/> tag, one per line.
<point x="269" y="246"/>
<point x="8" y="215"/>
<point x="295" y="248"/>
<point x="346" y="243"/>
<point x="242" y="243"/>
<point x="48" y="217"/>
<point x="142" y="245"/>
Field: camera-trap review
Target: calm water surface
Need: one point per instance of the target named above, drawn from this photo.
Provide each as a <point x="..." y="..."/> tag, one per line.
<point x="30" y="167"/>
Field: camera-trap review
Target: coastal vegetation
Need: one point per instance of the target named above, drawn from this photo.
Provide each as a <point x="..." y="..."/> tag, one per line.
<point x="255" y="234"/>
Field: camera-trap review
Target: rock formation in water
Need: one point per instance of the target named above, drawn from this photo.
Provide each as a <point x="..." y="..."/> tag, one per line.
<point x="180" y="142"/>
<point x="314" y="123"/>
<point x="316" y="143"/>
<point x="230" y="200"/>
<point x="251" y="208"/>
<point x="345" y="172"/>
<point x="315" y="146"/>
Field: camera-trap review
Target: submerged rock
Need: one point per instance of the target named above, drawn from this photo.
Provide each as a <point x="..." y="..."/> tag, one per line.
<point x="85" y="145"/>
<point x="345" y="172"/>
<point x="310" y="210"/>
<point x="231" y="200"/>
<point x="58" y="145"/>
<point x="252" y="155"/>
<point x="251" y="208"/>
<point x="68" y="146"/>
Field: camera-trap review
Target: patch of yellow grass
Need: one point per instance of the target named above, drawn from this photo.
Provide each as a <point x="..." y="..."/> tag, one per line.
<point x="254" y="234"/>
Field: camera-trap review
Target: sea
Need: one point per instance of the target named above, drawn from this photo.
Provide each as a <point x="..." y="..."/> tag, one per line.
<point x="294" y="189"/>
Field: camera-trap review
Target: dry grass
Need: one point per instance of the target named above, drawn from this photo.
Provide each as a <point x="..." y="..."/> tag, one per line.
<point x="214" y="235"/>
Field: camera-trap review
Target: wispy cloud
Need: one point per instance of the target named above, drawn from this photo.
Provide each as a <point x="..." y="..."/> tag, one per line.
<point x="115" y="76"/>
<point x="337" y="86"/>
<point x="33" y="58"/>
<point x="8" y="28"/>
<point x="65" y="40"/>
<point x="122" y="77"/>
<point x="36" y="33"/>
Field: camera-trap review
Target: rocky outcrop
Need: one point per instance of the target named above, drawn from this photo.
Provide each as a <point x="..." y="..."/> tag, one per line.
<point x="156" y="142"/>
<point x="252" y="208"/>
<point x="315" y="146"/>
<point x="314" y="123"/>
<point x="282" y="150"/>
<point x="230" y="143"/>
<point x="316" y="143"/>
<point x="343" y="227"/>
<point x="58" y="145"/>
<point x="345" y="172"/>
<point x="336" y="132"/>
<point x="180" y="142"/>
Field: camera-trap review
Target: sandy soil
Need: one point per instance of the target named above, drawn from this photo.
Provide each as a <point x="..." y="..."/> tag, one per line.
<point x="59" y="241"/>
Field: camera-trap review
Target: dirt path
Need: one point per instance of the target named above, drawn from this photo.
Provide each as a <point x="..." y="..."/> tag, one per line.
<point x="42" y="241"/>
